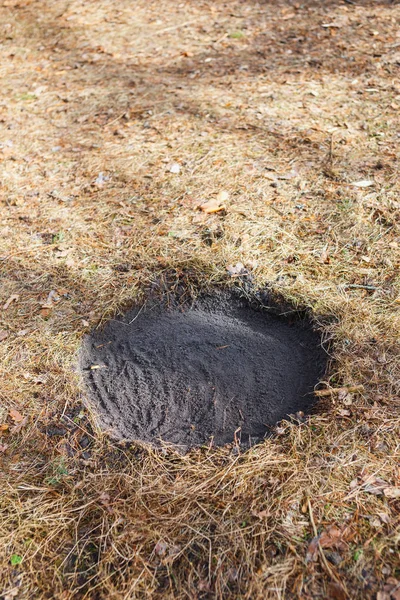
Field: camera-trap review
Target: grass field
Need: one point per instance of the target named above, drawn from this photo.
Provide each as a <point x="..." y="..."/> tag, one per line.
<point x="117" y="120"/>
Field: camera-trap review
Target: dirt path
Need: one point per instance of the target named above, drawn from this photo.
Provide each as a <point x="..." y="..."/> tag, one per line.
<point x="117" y="120"/>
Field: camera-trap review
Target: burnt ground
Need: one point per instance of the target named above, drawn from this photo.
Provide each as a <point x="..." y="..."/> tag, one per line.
<point x="215" y="373"/>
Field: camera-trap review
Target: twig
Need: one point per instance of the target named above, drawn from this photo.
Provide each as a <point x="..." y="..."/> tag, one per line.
<point x="323" y="557"/>
<point x="178" y="26"/>
<point x="351" y="389"/>
<point x="359" y="286"/>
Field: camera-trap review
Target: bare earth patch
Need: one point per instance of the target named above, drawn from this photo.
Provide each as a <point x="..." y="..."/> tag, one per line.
<point x="118" y="122"/>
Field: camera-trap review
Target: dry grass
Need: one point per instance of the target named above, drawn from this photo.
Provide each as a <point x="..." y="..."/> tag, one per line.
<point x="260" y="100"/>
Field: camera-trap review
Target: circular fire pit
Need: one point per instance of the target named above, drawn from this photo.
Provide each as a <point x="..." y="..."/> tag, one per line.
<point x="216" y="372"/>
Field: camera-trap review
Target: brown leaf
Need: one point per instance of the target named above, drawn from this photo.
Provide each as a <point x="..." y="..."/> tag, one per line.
<point x="11" y="299"/>
<point x="17" y="428"/>
<point x="52" y="299"/>
<point x="335" y="591"/>
<point x="3" y="335"/>
<point x="3" y="447"/>
<point x="16" y="416"/>
<point x="263" y="514"/>
<point x="312" y="551"/>
<point x="160" y="548"/>
<point x="215" y="204"/>
<point x="334" y="537"/>
<point x="4" y="427"/>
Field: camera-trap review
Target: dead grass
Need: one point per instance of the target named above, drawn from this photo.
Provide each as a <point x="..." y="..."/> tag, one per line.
<point x="284" y="107"/>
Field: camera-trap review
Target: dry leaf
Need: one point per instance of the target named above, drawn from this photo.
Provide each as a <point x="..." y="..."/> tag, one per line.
<point x="175" y="168"/>
<point x="336" y="591"/>
<point x="236" y="270"/>
<point x="11" y="299"/>
<point x="384" y="518"/>
<point x="212" y="206"/>
<point x="325" y="256"/>
<point x="343" y="412"/>
<point x="312" y="552"/>
<point x="17" y="428"/>
<point x="373" y="485"/>
<point x="16" y="416"/>
<point x="3" y="335"/>
<point x="4" y="427"/>
<point x="22" y="332"/>
<point x="3" y="447"/>
<point x="392" y="492"/>
<point x="160" y="548"/>
<point x="52" y="299"/>
<point x="223" y="196"/>
<point x="215" y="204"/>
<point x="334" y="537"/>
<point x="263" y="514"/>
<point x="363" y="183"/>
<point x="382" y="596"/>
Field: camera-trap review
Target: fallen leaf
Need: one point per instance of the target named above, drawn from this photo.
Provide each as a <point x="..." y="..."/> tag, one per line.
<point x="236" y="270"/>
<point x="392" y="492"/>
<point x="223" y="196"/>
<point x="22" y="332"/>
<point x="3" y="447"/>
<point x="325" y="256"/>
<point x="363" y="183"/>
<point x="263" y="514"/>
<point x="335" y="537"/>
<point x="11" y="299"/>
<point x="3" y="335"/>
<point x="215" y="204"/>
<point x="4" y="427"/>
<point x="175" y="168"/>
<point x="336" y="591"/>
<point x="312" y="551"/>
<point x="212" y="206"/>
<point x="373" y="485"/>
<point x="17" y="428"/>
<point x="52" y="299"/>
<point x="343" y="412"/>
<point x="160" y="548"/>
<point x="16" y="416"/>
<point x="101" y="179"/>
<point x="384" y="518"/>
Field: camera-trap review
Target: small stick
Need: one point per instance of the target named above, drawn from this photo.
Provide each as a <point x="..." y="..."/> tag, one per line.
<point x="359" y="286"/>
<point x="345" y="390"/>
<point x="324" y="560"/>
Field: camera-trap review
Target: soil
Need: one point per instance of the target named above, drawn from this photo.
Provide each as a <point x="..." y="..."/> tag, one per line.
<point x="219" y="370"/>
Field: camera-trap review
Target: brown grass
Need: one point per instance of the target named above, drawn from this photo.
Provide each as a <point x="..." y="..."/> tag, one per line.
<point x="264" y="102"/>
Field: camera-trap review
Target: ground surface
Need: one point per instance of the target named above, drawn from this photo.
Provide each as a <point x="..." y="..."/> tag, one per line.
<point x="213" y="372"/>
<point x="117" y="120"/>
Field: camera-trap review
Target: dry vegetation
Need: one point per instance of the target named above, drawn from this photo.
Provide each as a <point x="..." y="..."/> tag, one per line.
<point x="284" y="105"/>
